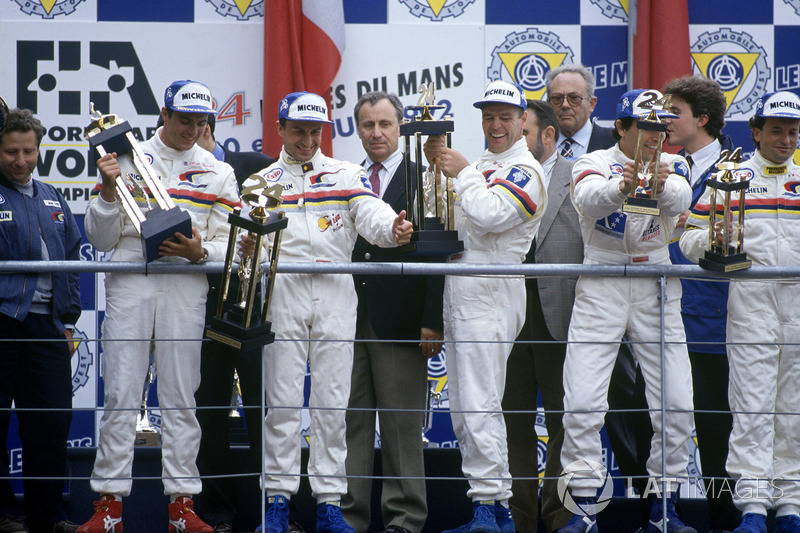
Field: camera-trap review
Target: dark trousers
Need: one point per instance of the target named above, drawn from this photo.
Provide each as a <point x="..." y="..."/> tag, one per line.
<point x="219" y="502"/>
<point x="36" y="374"/>
<point x="535" y="368"/>
<point x="710" y="382"/>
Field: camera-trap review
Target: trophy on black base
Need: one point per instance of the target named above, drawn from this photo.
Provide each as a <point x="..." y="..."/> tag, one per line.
<point x="430" y="201"/>
<point x="643" y="196"/>
<point x="159" y="222"/>
<point x="727" y="256"/>
<point x="234" y="323"/>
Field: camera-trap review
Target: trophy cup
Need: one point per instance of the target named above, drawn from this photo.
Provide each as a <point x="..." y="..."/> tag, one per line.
<point x="429" y="202"/>
<point x="109" y="133"/>
<point x="642" y="198"/>
<point x="234" y="323"/>
<point x="146" y="433"/>
<point x="728" y="256"/>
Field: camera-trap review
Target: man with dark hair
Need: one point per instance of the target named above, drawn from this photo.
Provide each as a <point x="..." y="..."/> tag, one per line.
<point x="37" y="316"/>
<point x="219" y="502"/>
<point x="608" y="307"/>
<point x="763" y="322"/>
<point x="570" y="90"/>
<point x="328" y="204"/>
<point x="389" y="371"/>
<point x="700" y="107"/>
<point x="165" y="307"/>
<point x="537" y="360"/>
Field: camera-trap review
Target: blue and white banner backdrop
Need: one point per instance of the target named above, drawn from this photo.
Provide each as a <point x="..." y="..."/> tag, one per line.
<point x="59" y="55"/>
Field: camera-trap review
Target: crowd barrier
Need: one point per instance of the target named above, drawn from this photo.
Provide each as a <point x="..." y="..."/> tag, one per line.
<point x="660" y="273"/>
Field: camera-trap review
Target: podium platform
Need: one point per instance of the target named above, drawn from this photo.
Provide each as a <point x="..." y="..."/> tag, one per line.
<point x="145" y="510"/>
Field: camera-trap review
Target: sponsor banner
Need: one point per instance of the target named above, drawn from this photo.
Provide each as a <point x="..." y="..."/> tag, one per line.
<point x="445" y="11"/>
<point x="605" y="13"/>
<point x="48" y="10"/>
<point x="454" y="66"/>
<point x="525" y="55"/>
<point x="57" y="70"/>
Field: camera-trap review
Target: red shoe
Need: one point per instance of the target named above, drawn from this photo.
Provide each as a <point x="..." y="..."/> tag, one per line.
<point x="107" y="517"/>
<point x="182" y="518"/>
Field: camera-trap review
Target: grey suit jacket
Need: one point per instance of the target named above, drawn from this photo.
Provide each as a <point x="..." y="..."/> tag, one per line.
<point x="559" y="241"/>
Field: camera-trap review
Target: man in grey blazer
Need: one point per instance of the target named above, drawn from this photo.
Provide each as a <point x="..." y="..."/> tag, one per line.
<point x="534" y="367"/>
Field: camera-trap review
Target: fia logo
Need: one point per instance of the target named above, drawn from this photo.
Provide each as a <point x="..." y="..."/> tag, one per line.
<point x="48" y="9"/>
<point x="56" y="69"/>
<point x="436" y="10"/>
<point x="526" y="57"/>
<point x="241" y="9"/>
<point x="737" y="63"/>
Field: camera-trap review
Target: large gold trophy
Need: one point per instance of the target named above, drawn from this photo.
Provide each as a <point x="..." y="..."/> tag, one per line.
<point x="235" y="322"/>
<point x="643" y="198"/>
<point x="157" y="223"/>
<point x="429" y="197"/>
<point x="729" y="255"/>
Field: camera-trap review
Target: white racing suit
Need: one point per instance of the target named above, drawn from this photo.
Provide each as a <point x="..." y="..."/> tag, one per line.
<point x="169" y="308"/>
<point x="314" y="318"/>
<point x="608" y="307"/>
<point x="763" y="335"/>
<point x="500" y="200"/>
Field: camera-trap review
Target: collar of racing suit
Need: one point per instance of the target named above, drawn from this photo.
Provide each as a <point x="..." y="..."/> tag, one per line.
<point x="295" y="167"/>
<point x="517" y="150"/>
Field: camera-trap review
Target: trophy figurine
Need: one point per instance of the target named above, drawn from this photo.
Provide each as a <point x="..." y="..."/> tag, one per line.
<point x="146" y="433"/>
<point x="235" y="323"/>
<point x="157" y="223"/>
<point x="727" y="256"/>
<point x="643" y="196"/>
<point x="429" y="198"/>
<point x="433" y="401"/>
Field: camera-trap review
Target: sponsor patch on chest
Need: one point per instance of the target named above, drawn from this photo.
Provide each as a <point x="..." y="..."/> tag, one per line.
<point x="52" y="203"/>
<point x="6" y="216"/>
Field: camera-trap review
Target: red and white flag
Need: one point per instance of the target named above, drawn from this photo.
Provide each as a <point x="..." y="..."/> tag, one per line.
<point x="660" y="42"/>
<point x="303" y="47"/>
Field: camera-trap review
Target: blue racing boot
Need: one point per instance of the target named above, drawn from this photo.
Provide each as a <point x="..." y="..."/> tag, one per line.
<point x="330" y="519"/>
<point x="673" y="523"/>
<point x="752" y="523"/>
<point x="276" y="519"/>
<point x="483" y="519"/>
<point x="787" y="524"/>
<point x="582" y="523"/>
<point x="505" y="521"/>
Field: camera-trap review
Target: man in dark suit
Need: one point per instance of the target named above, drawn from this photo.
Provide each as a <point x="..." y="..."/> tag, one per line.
<point x="399" y="328"/>
<point x="537" y="359"/>
<point x="570" y="90"/>
<point x="218" y="503"/>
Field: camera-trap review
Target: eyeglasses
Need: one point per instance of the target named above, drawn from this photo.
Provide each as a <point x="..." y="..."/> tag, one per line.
<point x="558" y="99"/>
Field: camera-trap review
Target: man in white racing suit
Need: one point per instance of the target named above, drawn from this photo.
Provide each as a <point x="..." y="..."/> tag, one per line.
<point x="166" y="307"/>
<point x="608" y="307"/>
<point x="763" y="326"/>
<point x="501" y="198"/>
<point x="328" y="203"/>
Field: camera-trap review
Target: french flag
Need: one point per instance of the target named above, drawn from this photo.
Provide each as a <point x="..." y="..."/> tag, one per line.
<point x="303" y="47"/>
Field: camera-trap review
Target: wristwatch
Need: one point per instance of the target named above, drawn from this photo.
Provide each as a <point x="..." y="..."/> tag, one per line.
<point x="204" y="258"/>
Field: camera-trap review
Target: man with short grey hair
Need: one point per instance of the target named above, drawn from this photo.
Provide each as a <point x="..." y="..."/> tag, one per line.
<point x="570" y="90"/>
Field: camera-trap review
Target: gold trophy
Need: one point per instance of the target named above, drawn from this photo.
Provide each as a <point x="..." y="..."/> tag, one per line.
<point x="146" y="433"/>
<point x="643" y="196"/>
<point x="429" y="201"/>
<point x="235" y="323"/>
<point x="159" y="222"/>
<point x="728" y="256"/>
